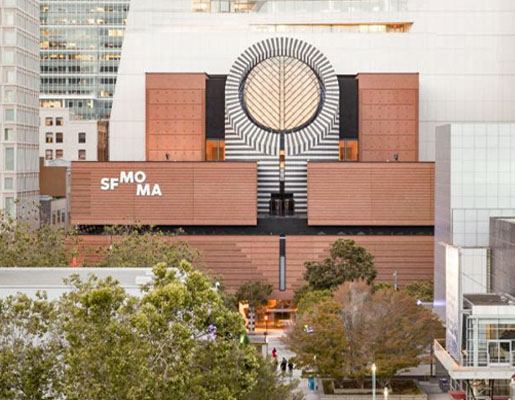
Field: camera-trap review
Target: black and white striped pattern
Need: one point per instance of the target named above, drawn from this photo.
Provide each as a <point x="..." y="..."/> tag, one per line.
<point x="246" y="141"/>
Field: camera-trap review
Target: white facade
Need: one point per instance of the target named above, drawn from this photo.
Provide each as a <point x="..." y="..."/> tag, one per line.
<point x="475" y="180"/>
<point x="61" y="135"/>
<point x="19" y="107"/>
<point x="461" y="48"/>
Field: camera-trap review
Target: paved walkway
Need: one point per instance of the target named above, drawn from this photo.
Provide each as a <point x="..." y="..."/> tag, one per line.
<point x="274" y="340"/>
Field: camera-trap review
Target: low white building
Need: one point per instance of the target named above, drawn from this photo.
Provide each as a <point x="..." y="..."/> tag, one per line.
<point x="62" y="135"/>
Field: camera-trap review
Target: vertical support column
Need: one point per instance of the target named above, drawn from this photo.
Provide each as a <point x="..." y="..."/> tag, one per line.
<point x="282" y="263"/>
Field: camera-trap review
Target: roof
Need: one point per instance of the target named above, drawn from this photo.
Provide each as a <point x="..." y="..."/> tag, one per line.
<point x="490" y="299"/>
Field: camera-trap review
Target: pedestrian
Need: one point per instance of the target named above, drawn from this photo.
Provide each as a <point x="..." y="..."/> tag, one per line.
<point x="290" y="367"/>
<point x="276" y="364"/>
<point x="274" y="352"/>
<point x="283" y="365"/>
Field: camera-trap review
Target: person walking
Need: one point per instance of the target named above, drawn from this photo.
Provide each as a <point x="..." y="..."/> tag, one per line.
<point x="274" y="352"/>
<point x="283" y="365"/>
<point x="290" y="367"/>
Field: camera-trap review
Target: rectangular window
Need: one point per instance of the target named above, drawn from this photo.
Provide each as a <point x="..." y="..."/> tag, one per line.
<point x="215" y="150"/>
<point x="58" y="137"/>
<point x="9" y="206"/>
<point x="49" y="121"/>
<point x="349" y="150"/>
<point x="82" y="155"/>
<point x="9" y="115"/>
<point x="9" y="96"/>
<point x="8" y="183"/>
<point x="49" y="154"/>
<point x="9" y="158"/>
<point x="8" y="134"/>
<point x="59" y="153"/>
<point x="82" y="137"/>
<point x="49" y="137"/>
<point x="59" y="121"/>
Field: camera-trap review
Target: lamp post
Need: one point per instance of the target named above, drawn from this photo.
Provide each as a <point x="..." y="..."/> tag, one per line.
<point x="374" y="381"/>
<point x="385" y="393"/>
<point x="266" y="333"/>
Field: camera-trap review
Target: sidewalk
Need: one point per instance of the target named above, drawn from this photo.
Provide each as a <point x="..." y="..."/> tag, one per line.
<point x="274" y="340"/>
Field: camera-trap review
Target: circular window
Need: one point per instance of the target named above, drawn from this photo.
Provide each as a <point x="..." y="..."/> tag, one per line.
<point x="282" y="94"/>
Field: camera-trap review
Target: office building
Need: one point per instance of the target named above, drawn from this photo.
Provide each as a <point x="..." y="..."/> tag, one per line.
<point x="62" y="135"/>
<point x="80" y="48"/>
<point x="19" y="75"/>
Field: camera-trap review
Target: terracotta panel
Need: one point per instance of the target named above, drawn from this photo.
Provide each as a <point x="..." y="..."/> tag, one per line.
<point x="175" y="117"/>
<point x="237" y="259"/>
<point x="192" y="194"/>
<point x="52" y="180"/>
<point x="367" y="194"/>
<point x="388" y="109"/>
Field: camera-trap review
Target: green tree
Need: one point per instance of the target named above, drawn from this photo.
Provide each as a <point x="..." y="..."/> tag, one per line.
<point x="28" y="362"/>
<point x="422" y="290"/>
<point x="97" y="342"/>
<point x="347" y="262"/>
<point x="132" y="247"/>
<point x="22" y="246"/>
<point x="255" y="294"/>
<point x="311" y="298"/>
<point x="384" y="326"/>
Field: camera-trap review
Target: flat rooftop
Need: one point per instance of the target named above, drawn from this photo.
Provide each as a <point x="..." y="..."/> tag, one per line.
<point x="490" y="299"/>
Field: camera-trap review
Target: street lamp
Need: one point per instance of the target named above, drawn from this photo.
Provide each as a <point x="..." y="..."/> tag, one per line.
<point x="386" y="393"/>
<point x="266" y="325"/>
<point x="374" y="381"/>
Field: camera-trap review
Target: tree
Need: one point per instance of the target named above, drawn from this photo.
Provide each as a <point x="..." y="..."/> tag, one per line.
<point x="178" y="340"/>
<point x="136" y="248"/>
<point x="255" y="294"/>
<point x="422" y="290"/>
<point x="384" y="326"/>
<point x="347" y="262"/>
<point x="311" y="298"/>
<point x="22" y="246"/>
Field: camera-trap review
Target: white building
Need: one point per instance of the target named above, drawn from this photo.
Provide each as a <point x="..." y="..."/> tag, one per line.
<point x="475" y="180"/>
<point x="460" y="48"/>
<point x="62" y="135"/>
<point x="19" y="108"/>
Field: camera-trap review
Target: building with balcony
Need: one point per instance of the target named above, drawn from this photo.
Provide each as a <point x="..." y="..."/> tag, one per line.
<point x="19" y="75"/>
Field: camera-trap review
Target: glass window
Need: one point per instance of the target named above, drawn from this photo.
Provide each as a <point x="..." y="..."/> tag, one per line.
<point x="49" y="137"/>
<point x="82" y="137"/>
<point x="9" y="96"/>
<point x="8" y="17"/>
<point x="9" y="206"/>
<point x="349" y="150"/>
<point x="58" y="137"/>
<point x="8" y="183"/>
<point x="215" y="150"/>
<point x="9" y="158"/>
<point x="8" y="56"/>
<point x="8" y="134"/>
<point x="82" y="155"/>
<point x="49" y="154"/>
<point x="59" y="153"/>
<point x="9" y="115"/>
<point x="59" y="121"/>
<point x="49" y="121"/>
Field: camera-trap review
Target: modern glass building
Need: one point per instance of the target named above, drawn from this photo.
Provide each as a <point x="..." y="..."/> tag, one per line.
<point x="19" y="110"/>
<point x="80" y="48"/>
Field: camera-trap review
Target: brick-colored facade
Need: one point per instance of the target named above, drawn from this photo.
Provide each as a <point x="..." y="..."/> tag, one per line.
<point x="368" y="194"/>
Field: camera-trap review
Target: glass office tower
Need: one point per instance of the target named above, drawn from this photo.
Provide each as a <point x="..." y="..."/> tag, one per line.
<point x="19" y="111"/>
<point x="80" y="47"/>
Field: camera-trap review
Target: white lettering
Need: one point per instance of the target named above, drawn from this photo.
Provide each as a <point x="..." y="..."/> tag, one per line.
<point x="156" y="191"/>
<point x="104" y="184"/>
<point x="143" y="190"/>
<point x="126" y="177"/>
<point x="140" y="176"/>
<point x="114" y="183"/>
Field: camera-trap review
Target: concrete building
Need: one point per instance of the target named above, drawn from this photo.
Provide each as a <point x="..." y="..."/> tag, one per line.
<point x="474" y="182"/>
<point x="63" y="135"/>
<point x="19" y="71"/>
<point x="80" y="49"/>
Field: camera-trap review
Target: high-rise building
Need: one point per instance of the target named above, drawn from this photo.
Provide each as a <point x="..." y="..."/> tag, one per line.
<point x="80" y="48"/>
<point x="19" y="121"/>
